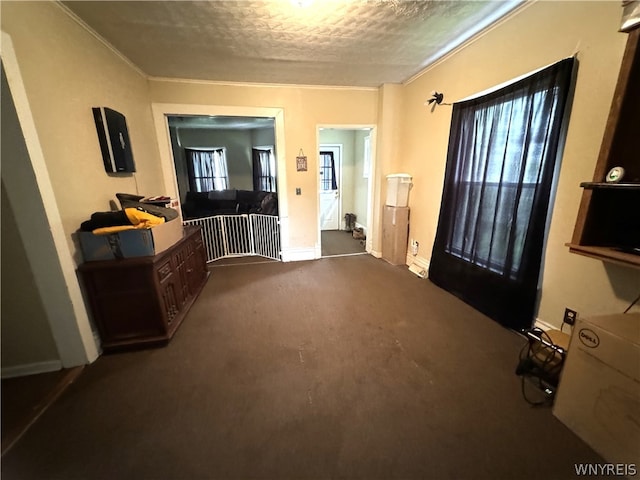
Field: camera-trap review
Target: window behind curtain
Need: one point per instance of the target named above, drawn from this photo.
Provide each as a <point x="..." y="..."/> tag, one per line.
<point x="328" y="171"/>
<point x="498" y="179"/>
<point x="264" y="169"/>
<point x="207" y="169"/>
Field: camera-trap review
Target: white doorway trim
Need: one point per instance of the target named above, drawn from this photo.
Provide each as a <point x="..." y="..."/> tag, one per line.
<point x="370" y="190"/>
<point x="50" y="255"/>
<point x="371" y="230"/>
<point x="162" y="110"/>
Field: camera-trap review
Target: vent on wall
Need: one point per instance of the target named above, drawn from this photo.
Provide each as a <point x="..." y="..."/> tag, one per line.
<point x="114" y="140"/>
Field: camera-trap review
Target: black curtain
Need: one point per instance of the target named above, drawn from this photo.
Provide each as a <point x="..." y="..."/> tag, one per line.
<point x="257" y="170"/>
<point x="263" y="178"/>
<point x="498" y="179"/>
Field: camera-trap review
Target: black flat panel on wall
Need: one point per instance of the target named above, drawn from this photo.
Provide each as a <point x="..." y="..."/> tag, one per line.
<point x="114" y="140"/>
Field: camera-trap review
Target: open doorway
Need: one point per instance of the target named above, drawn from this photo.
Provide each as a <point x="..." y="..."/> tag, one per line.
<point x="222" y="153"/>
<point x="224" y="169"/>
<point x="226" y="174"/>
<point x="344" y="186"/>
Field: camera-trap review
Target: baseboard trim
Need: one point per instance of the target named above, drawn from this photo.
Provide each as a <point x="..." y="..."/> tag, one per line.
<point x="544" y="325"/>
<point x="298" y="254"/>
<point x="421" y="262"/>
<point x="31" y="369"/>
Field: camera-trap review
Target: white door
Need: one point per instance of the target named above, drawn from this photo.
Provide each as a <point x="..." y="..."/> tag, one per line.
<point x="329" y="191"/>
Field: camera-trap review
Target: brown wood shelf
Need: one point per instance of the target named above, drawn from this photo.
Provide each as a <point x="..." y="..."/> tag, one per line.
<point x="606" y="254"/>
<point x="612" y="186"/>
<point x="599" y="221"/>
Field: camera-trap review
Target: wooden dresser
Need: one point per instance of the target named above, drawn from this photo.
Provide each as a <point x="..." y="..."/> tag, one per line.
<point x="142" y="301"/>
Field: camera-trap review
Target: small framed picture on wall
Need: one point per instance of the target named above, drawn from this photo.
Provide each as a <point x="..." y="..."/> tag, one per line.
<point x="301" y="162"/>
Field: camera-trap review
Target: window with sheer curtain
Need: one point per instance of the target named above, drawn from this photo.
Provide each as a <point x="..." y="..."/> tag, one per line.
<point x="264" y="169"/>
<point x="207" y="169"/>
<point x="328" y="180"/>
<point x="498" y="184"/>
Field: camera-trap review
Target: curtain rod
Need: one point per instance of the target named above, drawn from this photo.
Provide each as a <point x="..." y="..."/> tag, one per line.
<point x="516" y="79"/>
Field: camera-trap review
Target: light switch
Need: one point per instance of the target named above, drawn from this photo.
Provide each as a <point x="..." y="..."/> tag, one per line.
<point x="298" y="191"/>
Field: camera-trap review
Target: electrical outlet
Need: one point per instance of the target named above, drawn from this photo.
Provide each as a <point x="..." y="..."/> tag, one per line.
<point x="414" y="247"/>
<point x="570" y="316"/>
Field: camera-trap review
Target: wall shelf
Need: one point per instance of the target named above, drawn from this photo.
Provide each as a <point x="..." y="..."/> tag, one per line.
<point x="607" y="254"/>
<point x="608" y="221"/>
<point x="612" y="186"/>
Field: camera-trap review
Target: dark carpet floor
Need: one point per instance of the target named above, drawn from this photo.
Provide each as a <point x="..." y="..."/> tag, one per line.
<point x="340" y="242"/>
<point x="342" y="368"/>
<point x="25" y="398"/>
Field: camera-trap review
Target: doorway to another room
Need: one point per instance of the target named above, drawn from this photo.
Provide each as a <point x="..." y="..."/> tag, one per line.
<point x="226" y="174"/>
<point x="344" y="172"/>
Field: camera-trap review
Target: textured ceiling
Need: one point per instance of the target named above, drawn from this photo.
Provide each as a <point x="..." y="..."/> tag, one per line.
<point x="330" y="42"/>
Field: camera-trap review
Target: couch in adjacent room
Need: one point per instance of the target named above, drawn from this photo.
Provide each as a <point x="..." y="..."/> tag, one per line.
<point x="228" y="202"/>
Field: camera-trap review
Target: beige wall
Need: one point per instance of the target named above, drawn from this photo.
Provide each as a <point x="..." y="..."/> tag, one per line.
<point x="387" y="152"/>
<point x="304" y="109"/>
<point x="26" y="335"/>
<point x="540" y="34"/>
<point x="25" y="332"/>
<point x="41" y="295"/>
<point x="66" y="71"/>
<point x="63" y="71"/>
